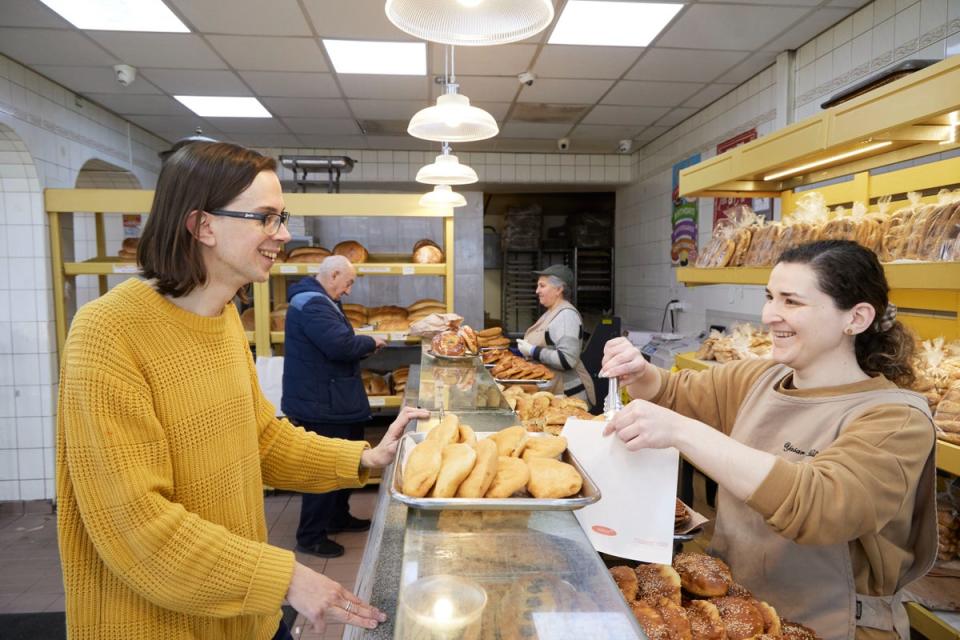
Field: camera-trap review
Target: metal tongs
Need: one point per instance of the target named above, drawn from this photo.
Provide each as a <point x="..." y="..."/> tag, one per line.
<point x="612" y="402"/>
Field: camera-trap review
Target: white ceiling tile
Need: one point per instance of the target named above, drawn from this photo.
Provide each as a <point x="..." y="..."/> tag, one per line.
<point x="307" y="107"/>
<point x="291" y="85"/>
<point x="245" y="17"/>
<point x="534" y="130"/>
<point x="334" y="142"/>
<point x="184" y="124"/>
<point x="655" y="94"/>
<point x="336" y="126"/>
<point x="203" y="82"/>
<point x="248" y="125"/>
<point x="749" y="68"/>
<point x="693" y="65"/>
<point x="710" y="94"/>
<point x="263" y="139"/>
<point x="549" y="113"/>
<point x="251" y="53"/>
<point x="94" y="80"/>
<point x="564" y="91"/>
<point x="165" y="50"/>
<point x="483" y="88"/>
<point x="568" y="61"/>
<point x="676" y="116"/>
<point x="849" y="4"/>
<point x="531" y="145"/>
<point x="604" y="132"/>
<point x="384" y="87"/>
<point x="401" y="142"/>
<point x="52" y="46"/>
<point x="361" y="19"/>
<point x="386" y="109"/>
<point x="806" y="29"/>
<point x="497" y="109"/>
<point x="624" y="115"/>
<point x="128" y="103"/>
<point x="728" y="26"/>
<point x="30" y="13"/>
<point x="651" y="133"/>
<point x="503" y="60"/>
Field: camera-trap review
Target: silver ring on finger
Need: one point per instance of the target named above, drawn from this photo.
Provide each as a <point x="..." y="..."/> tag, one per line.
<point x="348" y="607"/>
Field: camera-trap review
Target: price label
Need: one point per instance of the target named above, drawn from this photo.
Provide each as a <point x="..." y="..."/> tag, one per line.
<point x="126" y="268"/>
<point x="372" y="269"/>
<point x="408" y="270"/>
<point x="289" y="268"/>
<point x="399" y="337"/>
<point x="313" y="268"/>
<point x="378" y="401"/>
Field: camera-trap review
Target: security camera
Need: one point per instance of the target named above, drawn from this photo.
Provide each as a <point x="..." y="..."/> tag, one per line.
<point x="625" y="145"/>
<point x="563" y="144"/>
<point x="527" y="78"/>
<point x="125" y="74"/>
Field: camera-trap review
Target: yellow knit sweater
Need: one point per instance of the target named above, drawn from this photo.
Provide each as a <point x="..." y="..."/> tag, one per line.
<point x="164" y="442"/>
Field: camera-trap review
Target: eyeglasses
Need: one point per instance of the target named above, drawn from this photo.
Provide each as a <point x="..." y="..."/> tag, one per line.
<point x="270" y="222"/>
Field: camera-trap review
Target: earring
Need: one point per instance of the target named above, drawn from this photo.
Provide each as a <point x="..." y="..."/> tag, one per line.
<point x="848" y="331"/>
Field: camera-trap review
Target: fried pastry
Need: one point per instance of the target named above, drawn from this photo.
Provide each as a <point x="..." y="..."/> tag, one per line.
<point x="675" y="618"/>
<point x="421" y="469"/>
<point x="510" y="441"/>
<point x="512" y="476"/>
<point x="626" y="579"/>
<point x="703" y="575"/>
<point x="657" y="581"/>
<point x="551" y="478"/>
<point x="456" y="464"/>
<point x="650" y="619"/>
<point x="681" y="515"/>
<point x="705" y="621"/>
<point x="476" y="484"/>
<point x="465" y="435"/>
<point x="771" y="621"/>
<point x="796" y="631"/>
<point x="738" y="590"/>
<point x="544" y="447"/>
<point x="447" y="431"/>
<point x="740" y="617"/>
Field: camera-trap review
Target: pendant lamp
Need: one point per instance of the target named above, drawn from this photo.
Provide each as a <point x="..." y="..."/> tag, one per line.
<point x="470" y="22"/>
<point x="446" y="169"/>
<point x="442" y="196"/>
<point x="452" y="119"/>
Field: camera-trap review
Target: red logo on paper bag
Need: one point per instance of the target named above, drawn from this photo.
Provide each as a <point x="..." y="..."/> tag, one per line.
<point x="602" y="530"/>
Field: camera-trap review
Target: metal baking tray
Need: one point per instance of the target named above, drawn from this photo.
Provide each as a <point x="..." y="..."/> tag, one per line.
<point x="541" y="384"/>
<point x="463" y="358"/>
<point x="589" y="492"/>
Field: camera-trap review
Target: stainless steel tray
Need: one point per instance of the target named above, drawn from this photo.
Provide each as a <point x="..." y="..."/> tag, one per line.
<point x="463" y="358"/>
<point x="541" y="384"/>
<point x="589" y="492"/>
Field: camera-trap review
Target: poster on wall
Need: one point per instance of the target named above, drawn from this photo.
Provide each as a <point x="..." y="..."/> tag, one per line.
<point x="683" y="240"/>
<point x="722" y="205"/>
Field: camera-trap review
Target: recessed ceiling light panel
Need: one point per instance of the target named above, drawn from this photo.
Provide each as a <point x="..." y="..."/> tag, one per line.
<point x="612" y="24"/>
<point x="119" y="15"/>
<point x="224" y="107"/>
<point x="378" y="58"/>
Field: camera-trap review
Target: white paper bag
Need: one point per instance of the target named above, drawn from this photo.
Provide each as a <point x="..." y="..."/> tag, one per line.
<point x="270" y="374"/>
<point x="634" y="516"/>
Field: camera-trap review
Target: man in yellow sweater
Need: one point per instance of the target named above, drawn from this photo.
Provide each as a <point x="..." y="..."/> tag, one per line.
<point x="164" y="439"/>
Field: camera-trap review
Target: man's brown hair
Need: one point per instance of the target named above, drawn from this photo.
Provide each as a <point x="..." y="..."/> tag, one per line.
<point x="201" y="176"/>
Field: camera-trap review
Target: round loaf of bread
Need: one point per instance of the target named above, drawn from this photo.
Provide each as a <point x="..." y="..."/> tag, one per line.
<point x="425" y="303"/>
<point x="740" y="617"/>
<point x="130" y="244"/>
<point x="703" y="575"/>
<point x="352" y="251"/>
<point x="376" y="385"/>
<point x="308" y="254"/>
<point x="425" y="242"/>
<point x="247" y="318"/>
<point x="448" y="343"/>
<point x="427" y="254"/>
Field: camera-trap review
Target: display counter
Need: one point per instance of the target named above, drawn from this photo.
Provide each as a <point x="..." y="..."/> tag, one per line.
<point x="537" y="570"/>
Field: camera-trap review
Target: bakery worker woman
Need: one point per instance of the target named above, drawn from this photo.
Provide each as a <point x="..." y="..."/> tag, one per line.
<point x="555" y="338"/>
<point x="826" y="471"/>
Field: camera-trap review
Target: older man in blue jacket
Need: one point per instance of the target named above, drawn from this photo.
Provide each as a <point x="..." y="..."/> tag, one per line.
<point x="323" y="391"/>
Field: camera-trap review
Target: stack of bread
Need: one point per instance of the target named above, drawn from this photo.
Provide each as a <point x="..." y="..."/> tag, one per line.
<point x="743" y="342"/>
<point x="452" y="462"/>
<point x="128" y="249"/>
<point x="457" y="340"/>
<point x="356" y="314"/>
<point x="545" y="411"/>
<point x="922" y="231"/>
<point x="936" y="364"/>
<point x="492" y="338"/>
<point x="278" y="317"/>
<point x="423" y="308"/>
<point x="511" y="367"/>
<point x="697" y="599"/>
<point x="388" y="318"/>
<point x="947" y="417"/>
<point x="948" y="530"/>
<point x="352" y="251"/>
<point x="304" y="255"/>
<point x="399" y="379"/>
<point x="427" y="251"/>
<point x="374" y="383"/>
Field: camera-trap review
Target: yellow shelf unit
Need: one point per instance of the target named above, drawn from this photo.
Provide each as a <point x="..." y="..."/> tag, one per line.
<point x="929" y="624"/>
<point x="690" y="361"/>
<point x="948" y="457"/>
<point x="914" y="116"/>
<point x="278" y="337"/>
<point x="63" y="202"/>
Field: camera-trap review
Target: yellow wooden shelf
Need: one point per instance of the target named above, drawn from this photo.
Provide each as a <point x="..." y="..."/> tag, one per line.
<point x="693" y="276"/>
<point x="929" y="624"/>
<point x="690" y="361"/>
<point x="385" y="401"/>
<point x="100" y="267"/>
<point x="372" y="268"/>
<point x="948" y="457"/>
<point x="919" y="275"/>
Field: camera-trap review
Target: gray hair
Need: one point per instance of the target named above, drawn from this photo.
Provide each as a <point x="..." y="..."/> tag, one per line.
<point x="563" y="286"/>
<point x="331" y="264"/>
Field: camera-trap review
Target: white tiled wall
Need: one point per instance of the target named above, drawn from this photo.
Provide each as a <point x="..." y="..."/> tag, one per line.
<point x="47" y="135"/>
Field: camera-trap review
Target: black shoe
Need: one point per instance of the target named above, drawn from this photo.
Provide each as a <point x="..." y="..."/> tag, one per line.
<point x="326" y="548"/>
<point x="350" y="524"/>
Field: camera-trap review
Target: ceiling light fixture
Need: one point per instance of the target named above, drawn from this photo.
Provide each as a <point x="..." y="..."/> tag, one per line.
<point x="470" y="23"/>
<point x="442" y="197"/>
<point x="378" y="58"/>
<point x="835" y="158"/>
<point x="446" y="169"/>
<point x="224" y="107"/>
<point x="118" y="15"/>
<point x="612" y="24"/>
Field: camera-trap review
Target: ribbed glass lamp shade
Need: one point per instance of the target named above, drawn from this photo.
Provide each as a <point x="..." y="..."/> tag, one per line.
<point x="452" y="119"/>
<point x="447" y="169"/>
<point x="442" y="196"/>
<point x="470" y="22"/>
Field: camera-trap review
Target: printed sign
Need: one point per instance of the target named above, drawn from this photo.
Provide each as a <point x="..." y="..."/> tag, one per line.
<point x="683" y="240"/>
<point x="723" y="205"/>
<point x="131" y="225"/>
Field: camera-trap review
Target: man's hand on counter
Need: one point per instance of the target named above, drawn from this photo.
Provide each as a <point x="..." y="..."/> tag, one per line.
<point x="383" y="454"/>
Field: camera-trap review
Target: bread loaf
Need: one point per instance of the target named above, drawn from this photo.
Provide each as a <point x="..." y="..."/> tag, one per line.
<point x="427" y="254"/>
<point x="278" y="318"/>
<point x="308" y="254"/>
<point x="248" y="319"/>
<point x="352" y="251"/>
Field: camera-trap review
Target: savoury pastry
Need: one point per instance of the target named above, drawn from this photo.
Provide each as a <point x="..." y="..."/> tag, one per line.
<point x="650" y="619"/>
<point x="703" y="575"/>
<point x="551" y="478"/>
<point x="512" y="476"/>
<point x="456" y="463"/>
<point x="544" y="447"/>
<point x="476" y="484"/>
<point x="510" y="441"/>
<point x="675" y="617"/>
<point x="740" y="617"/>
<point x="466" y="435"/>
<point x="447" y="431"/>
<point x="626" y="579"/>
<point x="655" y="581"/>
<point x="705" y="621"/>
<point x="796" y="631"/>
<point x="421" y="468"/>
